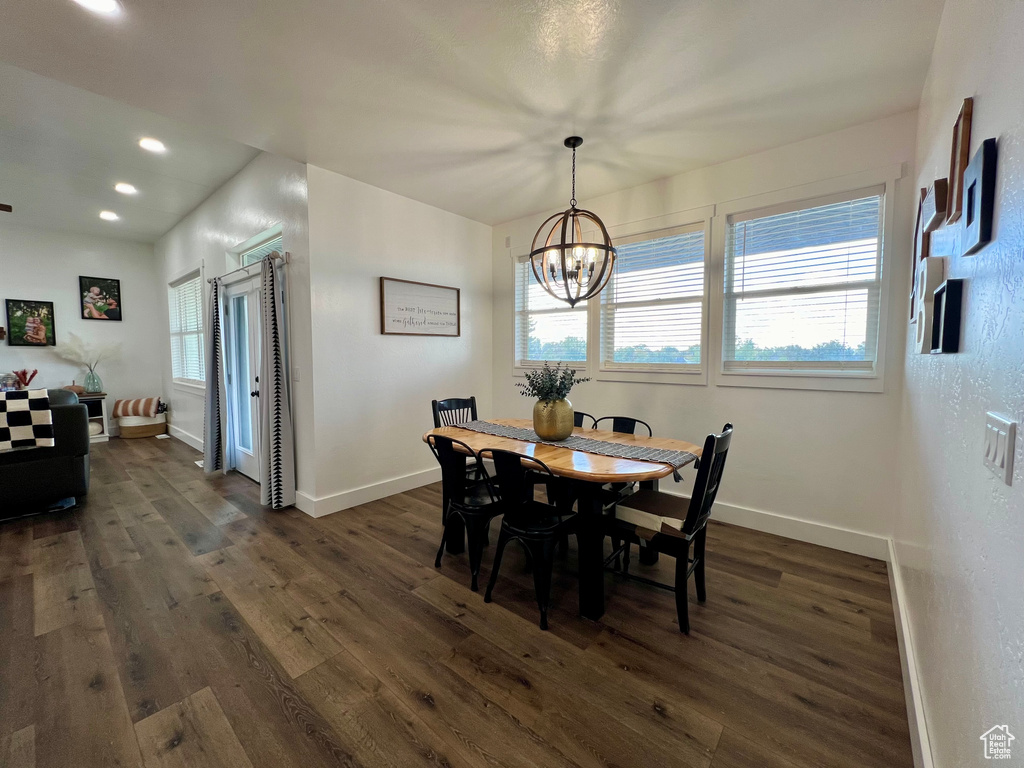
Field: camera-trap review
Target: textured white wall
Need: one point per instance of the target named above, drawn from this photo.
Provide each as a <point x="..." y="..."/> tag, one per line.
<point x="837" y="467"/>
<point x="269" y="191"/>
<point x="44" y="265"/>
<point x="960" y="533"/>
<point x="372" y="391"/>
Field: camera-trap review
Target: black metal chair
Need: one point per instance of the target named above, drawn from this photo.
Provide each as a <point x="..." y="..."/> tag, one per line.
<point x="453" y="411"/>
<point x="625" y="424"/>
<point x="669" y="524"/>
<point x="470" y="502"/>
<point x="537" y="526"/>
<point x="580" y="418"/>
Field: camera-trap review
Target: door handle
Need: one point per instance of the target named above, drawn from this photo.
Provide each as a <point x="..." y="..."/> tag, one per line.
<point x="255" y="393"/>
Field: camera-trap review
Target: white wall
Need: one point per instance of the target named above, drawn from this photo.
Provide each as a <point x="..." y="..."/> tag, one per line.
<point x="372" y="391"/>
<point x="960" y="533"/>
<point x="44" y="265"/>
<point x="270" y="191"/>
<point x="838" y="464"/>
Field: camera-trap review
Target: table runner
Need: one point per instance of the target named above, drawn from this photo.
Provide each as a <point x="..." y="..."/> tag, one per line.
<point x="675" y="459"/>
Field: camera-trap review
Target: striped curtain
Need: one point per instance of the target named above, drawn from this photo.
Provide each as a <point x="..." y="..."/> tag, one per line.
<point x="277" y="445"/>
<point x="214" y="418"/>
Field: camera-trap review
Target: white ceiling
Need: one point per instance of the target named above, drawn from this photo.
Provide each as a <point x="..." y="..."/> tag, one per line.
<point x="62" y="150"/>
<point x="464" y="103"/>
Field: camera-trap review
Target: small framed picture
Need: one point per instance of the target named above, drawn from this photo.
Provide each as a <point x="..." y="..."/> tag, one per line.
<point x="958" y="157"/>
<point x="100" y="297"/>
<point x="979" y="198"/>
<point x="408" y="308"/>
<point x="30" y="323"/>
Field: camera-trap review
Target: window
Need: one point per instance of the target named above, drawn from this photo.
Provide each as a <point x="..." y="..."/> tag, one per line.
<point x="652" y="311"/>
<point x="255" y="254"/>
<point x="185" y="302"/>
<point x="802" y="287"/>
<point x="547" y="330"/>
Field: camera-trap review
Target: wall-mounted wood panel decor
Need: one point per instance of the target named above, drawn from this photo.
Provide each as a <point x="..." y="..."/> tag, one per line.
<point x="934" y="212"/>
<point x="408" y="308"/>
<point x="930" y="272"/>
<point x="958" y="161"/>
<point x="979" y="198"/>
<point x="922" y="246"/>
<point x="946" y="312"/>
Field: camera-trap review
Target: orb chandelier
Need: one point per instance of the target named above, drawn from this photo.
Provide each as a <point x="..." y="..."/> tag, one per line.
<point x="569" y="267"/>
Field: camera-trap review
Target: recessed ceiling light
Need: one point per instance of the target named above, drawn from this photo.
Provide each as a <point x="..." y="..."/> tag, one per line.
<point x="109" y="216"/>
<point x="125" y="188"/>
<point x="152" y="145"/>
<point x="103" y="7"/>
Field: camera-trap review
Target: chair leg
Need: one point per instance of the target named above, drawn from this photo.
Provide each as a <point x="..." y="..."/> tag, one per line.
<point x="503" y="539"/>
<point x="616" y="543"/>
<point x="682" y="598"/>
<point x="444" y="534"/>
<point x="698" y="570"/>
<point x="476" y="533"/>
<point x="625" y="557"/>
<point x="543" y="555"/>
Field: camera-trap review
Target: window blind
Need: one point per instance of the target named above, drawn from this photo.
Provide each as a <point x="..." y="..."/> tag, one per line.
<point x="653" y="309"/>
<point x="802" y="286"/>
<point x="186" y="322"/>
<point x="547" y="330"/>
<point x="261" y="251"/>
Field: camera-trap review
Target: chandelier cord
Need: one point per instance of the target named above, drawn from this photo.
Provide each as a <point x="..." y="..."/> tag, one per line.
<point x="572" y="201"/>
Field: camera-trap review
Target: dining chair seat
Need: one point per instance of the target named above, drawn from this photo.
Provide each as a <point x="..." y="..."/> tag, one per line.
<point x="654" y="512"/>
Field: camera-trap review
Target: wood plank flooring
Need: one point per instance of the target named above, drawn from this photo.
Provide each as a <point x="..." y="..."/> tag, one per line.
<point x="172" y="621"/>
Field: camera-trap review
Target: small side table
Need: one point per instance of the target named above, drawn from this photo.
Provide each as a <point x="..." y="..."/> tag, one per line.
<point x="96" y="404"/>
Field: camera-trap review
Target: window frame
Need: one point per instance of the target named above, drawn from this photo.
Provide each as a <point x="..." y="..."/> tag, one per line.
<point x="519" y="367"/>
<point x="187" y="277"/>
<point x="696" y="218"/>
<point x="797" y="375"/>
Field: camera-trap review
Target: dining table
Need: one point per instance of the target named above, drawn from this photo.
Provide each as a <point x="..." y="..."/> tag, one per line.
<point x="589" y="473"/>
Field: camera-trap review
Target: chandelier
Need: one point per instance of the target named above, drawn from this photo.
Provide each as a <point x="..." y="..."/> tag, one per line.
<point x="570" y="268"/>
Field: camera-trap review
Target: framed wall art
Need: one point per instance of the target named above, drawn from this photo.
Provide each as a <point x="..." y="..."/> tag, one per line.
<point x="934" y="206"/>
<point x="958" y="158"/>
<point x="30" y="323"/>
<point x="979" y="198"/>
<point x="408" y="308"/>
<point x="100" y="297"/>
<point x="922" y="249"/>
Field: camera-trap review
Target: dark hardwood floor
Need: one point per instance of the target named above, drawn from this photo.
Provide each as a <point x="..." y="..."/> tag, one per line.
<point x="172" y="621"/>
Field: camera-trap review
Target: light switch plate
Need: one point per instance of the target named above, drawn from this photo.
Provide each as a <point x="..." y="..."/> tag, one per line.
<point x="1000" y="444"/>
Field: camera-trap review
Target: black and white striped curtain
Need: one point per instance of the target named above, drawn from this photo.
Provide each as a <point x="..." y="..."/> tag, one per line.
<point x="277" y="445"/>
<point x="214" y="444"/>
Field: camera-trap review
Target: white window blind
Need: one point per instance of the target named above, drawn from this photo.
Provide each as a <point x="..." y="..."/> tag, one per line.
<point x="802" y="286"/>
<point x="652" y="311"/>
<point x="547" y="330"/>
<point x="185" y="301"/>
<point x="260" y="251"/>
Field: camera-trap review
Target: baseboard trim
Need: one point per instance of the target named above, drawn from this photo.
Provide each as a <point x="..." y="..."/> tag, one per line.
<point x="185" y="437"/>
<point x="833" y="537"/>
<point x="920" y="742"/>
<point x="326" y="505"/>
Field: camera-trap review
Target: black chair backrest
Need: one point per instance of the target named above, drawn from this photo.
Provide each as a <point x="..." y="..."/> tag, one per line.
<point x="624" y="424"/>
<point x="511" y="487"/>
<point x="580" y="418"/>
<point x="453" y="411"/>
<point x="709" y="477"/>
<point x="453" y="464"/>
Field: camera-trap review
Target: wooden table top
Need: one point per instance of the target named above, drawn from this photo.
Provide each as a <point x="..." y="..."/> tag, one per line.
<point x="579" y="465"/>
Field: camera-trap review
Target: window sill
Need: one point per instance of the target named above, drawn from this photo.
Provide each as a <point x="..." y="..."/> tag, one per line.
<point x="191" y="387"/>
<point x="698" y="377"/>
<point x="823" y="381"/>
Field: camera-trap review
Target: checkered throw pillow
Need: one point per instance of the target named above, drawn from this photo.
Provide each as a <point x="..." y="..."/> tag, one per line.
<point x="25" y="420"/>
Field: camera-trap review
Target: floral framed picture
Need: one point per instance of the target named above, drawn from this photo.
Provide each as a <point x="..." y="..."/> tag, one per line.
<point x="30" y="323"/>
<point x="100" y="297"/>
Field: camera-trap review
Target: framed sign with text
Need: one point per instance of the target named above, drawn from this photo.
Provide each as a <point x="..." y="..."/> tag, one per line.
<point x="409" y="308"/>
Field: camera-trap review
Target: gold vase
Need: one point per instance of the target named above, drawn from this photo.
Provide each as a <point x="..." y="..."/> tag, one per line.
<point x="553" y="419"/>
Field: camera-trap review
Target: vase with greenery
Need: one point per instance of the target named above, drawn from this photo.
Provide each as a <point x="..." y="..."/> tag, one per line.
<point x="78" y="351"/>
<point x="552" y="414"/>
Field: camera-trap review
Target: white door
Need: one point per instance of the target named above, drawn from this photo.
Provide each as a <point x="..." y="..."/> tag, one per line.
<point x="243" y="369"/>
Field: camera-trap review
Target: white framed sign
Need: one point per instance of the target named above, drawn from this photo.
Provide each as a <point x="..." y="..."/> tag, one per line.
<point x="409" y="308"/>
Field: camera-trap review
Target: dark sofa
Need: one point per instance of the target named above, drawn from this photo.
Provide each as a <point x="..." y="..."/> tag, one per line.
<point x="35" y="478"/>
